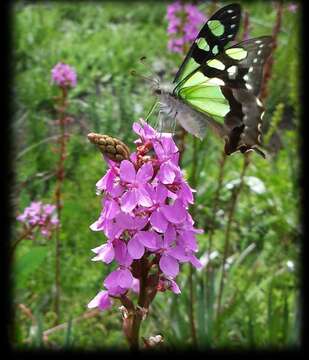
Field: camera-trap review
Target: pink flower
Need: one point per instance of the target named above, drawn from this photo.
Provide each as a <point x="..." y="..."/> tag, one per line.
<point x="145" y="218"/>
<point x="40" y="215"/>
<point x="135" y="182"/>
<point x="292" y="7"/>
<point x="184" y="21"/>
<point x="64" y="75"/>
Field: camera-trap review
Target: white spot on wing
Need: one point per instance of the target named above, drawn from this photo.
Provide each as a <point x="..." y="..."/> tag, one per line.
<point x="250" y="69"/>
<point x="255" y="60"/>
<point x="258" y="101"/>
<point x="230" y="11"/>
<point x="258" y="41"/>
<point x="246" y="78"/>
<point x="232" y="71"/>
<point x="216" y="81"/>
<point x="248" y="86"/>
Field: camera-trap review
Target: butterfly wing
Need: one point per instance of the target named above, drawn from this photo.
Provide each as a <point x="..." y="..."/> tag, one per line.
<point x="225" y="88"/>
<point x="221" y="28"/>
<point x="241" y="65"/>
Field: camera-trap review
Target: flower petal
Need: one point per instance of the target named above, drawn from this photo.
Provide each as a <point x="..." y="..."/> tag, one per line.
<point x="175" y="213"/>
<point x="195" y="261"/>
<point x="143" y="197"/>
<point x="129" y="200"/>
<point x="185" y="193"/>
<point x="158" y="221"/>
<point x="127" y="171"/>
<point x="135" y="248"/>
<point x="166" y="174"/>
<point x="105" y="254"/>
<point x="121" y="253"/>
<point x="145" y="173"/>
<point x="179" y="253"/>
<point x="148" y="239"/>
<point x="111" y="280"/>
<point x="169" y="265"/>
<point x="174" y="287"/>
<point x="169" y="236"/>
<point x="125" y="278"/>
<point x="101" y="300"/>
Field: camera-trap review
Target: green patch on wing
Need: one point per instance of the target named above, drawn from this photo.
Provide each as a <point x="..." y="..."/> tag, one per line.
<point x="217" y="64"/>
<point x="190" y="67"/>
<point x="202" y="44"/>
<point x="216" y="27"/>
<point x="236" y="53"/>
<point x="205" y="95"/>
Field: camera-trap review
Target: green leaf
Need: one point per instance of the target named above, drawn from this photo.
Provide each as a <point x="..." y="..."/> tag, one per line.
<point x="27" y="264"/>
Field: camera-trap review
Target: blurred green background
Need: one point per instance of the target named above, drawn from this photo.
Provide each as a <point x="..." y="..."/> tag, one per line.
<point x="103" y="41"/>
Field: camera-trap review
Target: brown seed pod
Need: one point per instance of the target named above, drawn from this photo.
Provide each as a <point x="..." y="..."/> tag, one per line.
<point x="113" y="148"/>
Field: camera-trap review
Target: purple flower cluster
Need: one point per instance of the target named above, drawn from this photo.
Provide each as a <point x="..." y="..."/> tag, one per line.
<point x="184" y="22"/>
<point x="64" y="75"/>
<point x="292" y="7"/>
<point x="40" y="215"/>
<point x="145" y="217"/>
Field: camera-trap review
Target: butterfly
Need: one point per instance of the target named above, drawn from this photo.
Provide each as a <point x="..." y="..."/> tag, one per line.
<point x="218" y="87"/>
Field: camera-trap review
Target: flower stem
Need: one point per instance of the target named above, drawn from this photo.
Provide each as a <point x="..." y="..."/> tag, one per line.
<point x="212" y="228"/>
<point x="23" y="236"/>
<point x="132" y="323"/>
<point x="58" y="196"/>
<point x="235" y="197"/>
<point x="193" y="183"/>
<point x="270" y="62"/>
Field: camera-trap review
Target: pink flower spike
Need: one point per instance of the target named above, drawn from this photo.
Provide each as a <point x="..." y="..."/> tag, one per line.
<point x="64" y="75"/>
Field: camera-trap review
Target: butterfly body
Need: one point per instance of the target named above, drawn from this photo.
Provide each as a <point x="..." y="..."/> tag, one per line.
<point x="190" y="119"/>
<point x="218" y="86"/>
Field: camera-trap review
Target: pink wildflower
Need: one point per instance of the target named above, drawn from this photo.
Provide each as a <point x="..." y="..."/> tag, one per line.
<point x="184" y="22"/>
<point x="41" y="216"/>
<point x="64" y="75"/>
<point x="145" y="218"/>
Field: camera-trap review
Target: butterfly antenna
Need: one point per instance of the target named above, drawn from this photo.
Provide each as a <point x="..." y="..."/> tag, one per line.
<point x="135" y="73"/>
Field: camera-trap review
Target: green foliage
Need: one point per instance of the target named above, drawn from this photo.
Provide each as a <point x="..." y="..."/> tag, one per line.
<point x="103" y="42"/>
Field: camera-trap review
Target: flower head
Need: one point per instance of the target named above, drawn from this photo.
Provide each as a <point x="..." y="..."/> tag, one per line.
<point x="40" y="215"/>
<point x="64" y="75"/>
<point x="184" y="21"/>
<point x="145" y="218"/>
<point x="292" y="7"/>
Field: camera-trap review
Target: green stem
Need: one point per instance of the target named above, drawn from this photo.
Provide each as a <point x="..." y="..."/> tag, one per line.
<point x="58" y="196"/>
<point x="235" y="197"/>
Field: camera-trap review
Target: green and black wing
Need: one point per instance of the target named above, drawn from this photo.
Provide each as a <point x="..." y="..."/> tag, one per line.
<point x="220" y="29"/>
<point x="226" y="87"/>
